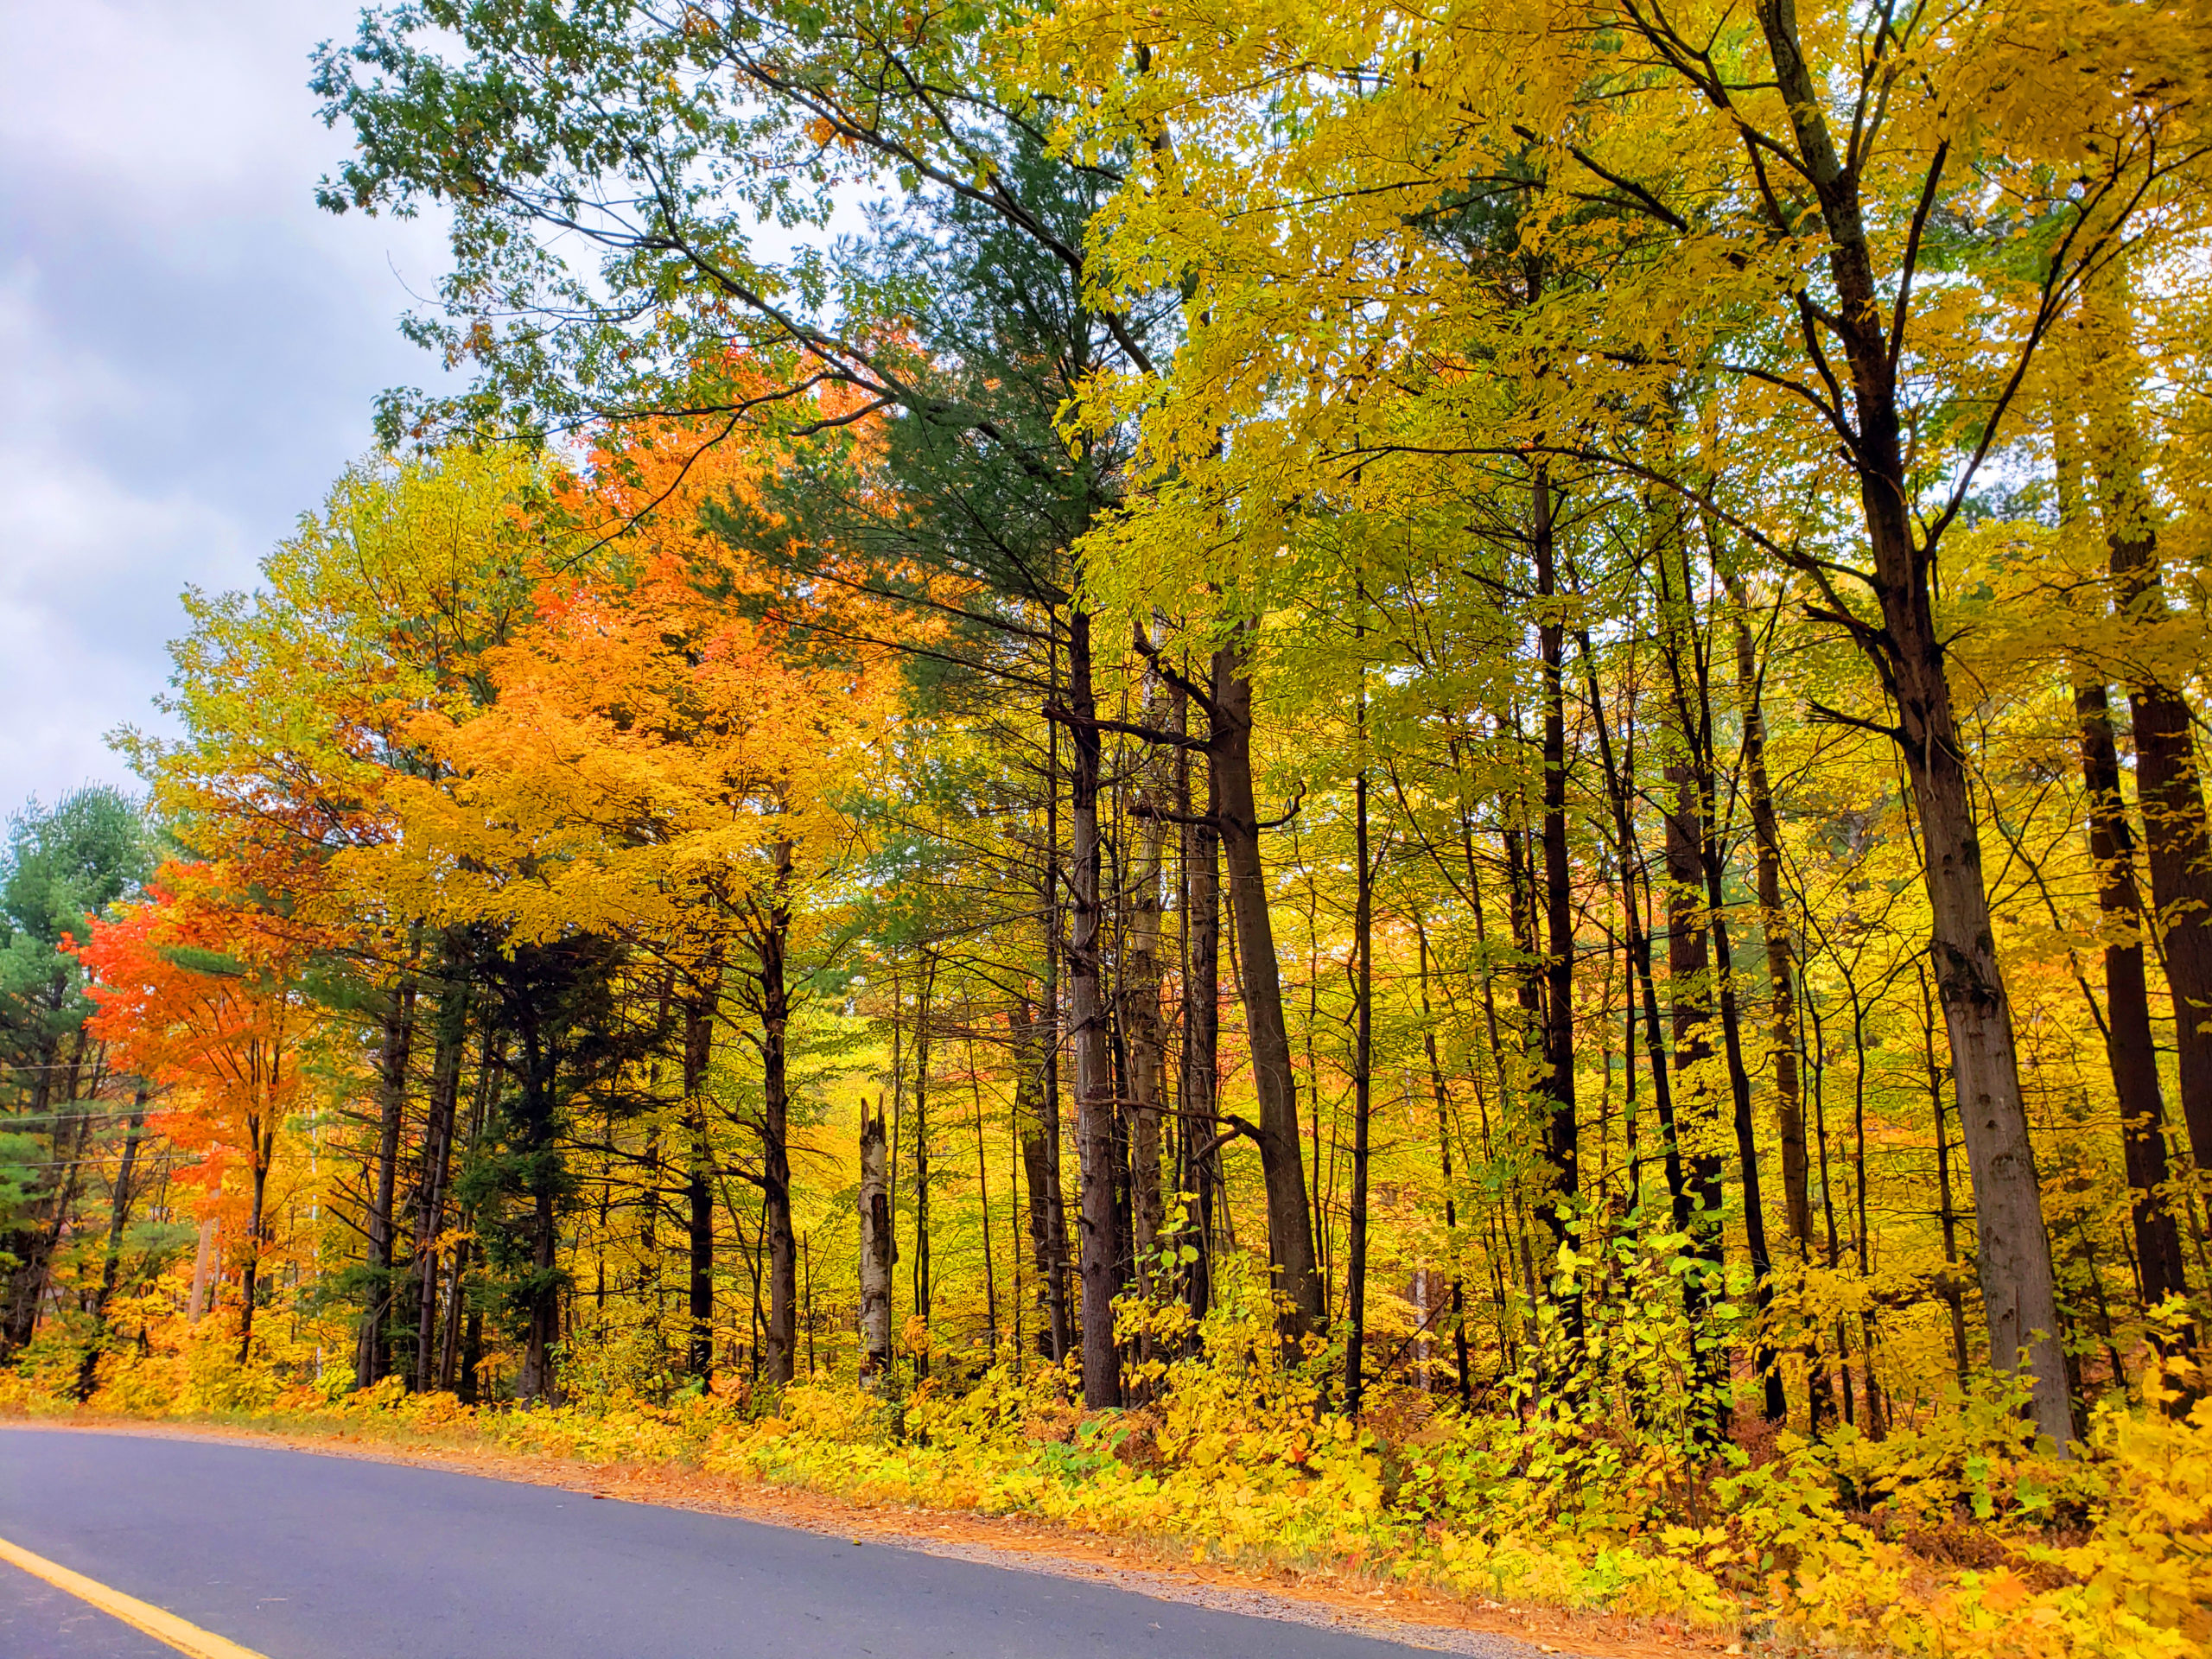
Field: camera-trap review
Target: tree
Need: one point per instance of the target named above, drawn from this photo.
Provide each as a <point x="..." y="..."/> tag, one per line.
<point x="1791" y="270"/>
<point x="64" y="866"/>
<point x="200" y="995"/>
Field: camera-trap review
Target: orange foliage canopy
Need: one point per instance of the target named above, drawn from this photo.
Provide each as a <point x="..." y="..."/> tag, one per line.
<point x="198" y="995"/>
<point x="649" y="756"/>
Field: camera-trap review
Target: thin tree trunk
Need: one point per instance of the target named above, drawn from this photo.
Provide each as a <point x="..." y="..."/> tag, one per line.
<point x="2128" y="1044"/>
<point x="1775" y="1406"/>
<point x="1143" y="1031"/>
<point x="922" y="1286"/>
<point x="983" y="1185"/>
<point x="1033" y="1041"/>
<point x="1201" y="917"/>
<point x="1781" y="978"/>
<point x="2168" y="790"/>
<point x="1099" y="1241"/>
<point x="119" y="1202"/>
<point x="119" y="1198"/>
<point x="1290" y="1223"/>
<point x="250" y="1279"/>
<point x="1556" y="1091"/>
<point x="437" y="1142"/>
<point x="1059" y="1303"/>
<point x="1689" y="990"/>
<point x="1774" y="925"/>
<point x="1444" y="1156"/>
<point x="700" y="1009"/>
<point x="491" y="1059"/>
<point x="1363" y="1055"/>
<point x="772" y="945"/>
<point x="372" y="1342"/>
<point x="2019" y="1293"/>
<point x="1688" y="668"/>
<point x="535" y="1381"/>
<point x="1620" y="787"/>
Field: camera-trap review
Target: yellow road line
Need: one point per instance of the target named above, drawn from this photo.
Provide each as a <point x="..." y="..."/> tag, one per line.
<point x="158" y="1623"/>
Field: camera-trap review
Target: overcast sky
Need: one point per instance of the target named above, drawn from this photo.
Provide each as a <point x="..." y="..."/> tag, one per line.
<point x="189" y="348"/>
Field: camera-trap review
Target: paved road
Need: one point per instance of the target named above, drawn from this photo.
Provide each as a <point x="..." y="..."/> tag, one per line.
<point x="305" y="1557"/>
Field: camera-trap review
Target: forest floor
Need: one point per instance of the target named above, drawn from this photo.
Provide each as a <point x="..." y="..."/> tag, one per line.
<point x="1339" y="1596"/>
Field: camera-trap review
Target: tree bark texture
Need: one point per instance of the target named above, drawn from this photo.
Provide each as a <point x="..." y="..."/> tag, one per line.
<point x="1196" y="1091"/>
<point x="2019" y="1293"/>
<point x="1290" y="1223"/>
<point x="1144" y="1031"/>
<point x="437" y="1157"/>
<point x="701" y="1007"/>
<point x="876" y="1245"/>
<point x="372" y="1341"/>
<point x="772" y="946"/>
<point x="2128" y="1044"/>
<point x="2170" y="790"/>
<point x="1555" y="1092"/>
<point x="1099" y="1242"/>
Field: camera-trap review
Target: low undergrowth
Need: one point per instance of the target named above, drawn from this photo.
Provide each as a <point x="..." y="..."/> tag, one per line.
<point x="1956" y="1536"/>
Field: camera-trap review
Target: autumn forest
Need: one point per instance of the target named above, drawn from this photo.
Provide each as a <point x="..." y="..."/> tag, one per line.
<point x="1411" y="786"/>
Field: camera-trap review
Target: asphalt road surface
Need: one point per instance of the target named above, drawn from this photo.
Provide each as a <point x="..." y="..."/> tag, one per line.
<point x="297" y="1556"/>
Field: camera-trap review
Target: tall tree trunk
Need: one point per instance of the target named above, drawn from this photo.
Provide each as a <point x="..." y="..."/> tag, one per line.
<point x="772" y="946"/>
<point x="1781" y="980"/>
<point x="1555" y="1093"/>
<point x="1059" y="1301"/>
<point x="700" y="1009"/>
<point x="437" y="1143"/>
<point x="1776" y="1407"/>
<point x="1201" y="921"/>
<point x="2128" y="1046"/>
<point x="119" y="1196"/>
<point x="1689" y="663"/>
<point x="1363" y="1054"/>
<point x="1774" y="927"/>
<point x="1236" y="813"/>
<point x="1099" y="1242"/>
<point x="1689" y="990"/>
<point x="2169" y="788"/>
<point x="922" y="1284"/>
<point x="120" y="1204"/>
<point x="490" y="1065"/>
<point x="983" y="1180"/>
<point x="1144" y="1032"/>
<point x="875" y="1246"/>
<point x="1032" y="1042"/>
<point x="2020" y="1294"/>
<point x="263" y="1140"/>
<point x="21" y="1241"/>
<point x="1620" y="790"/>
<point x="1147" y="1055"/>
<point x="1444" y="1156"/>
<point x="372" y="1341"/>
<point x="537" y="1381"/>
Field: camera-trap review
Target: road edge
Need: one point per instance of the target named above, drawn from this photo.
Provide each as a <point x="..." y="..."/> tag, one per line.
<point x="1336" y="1600"/>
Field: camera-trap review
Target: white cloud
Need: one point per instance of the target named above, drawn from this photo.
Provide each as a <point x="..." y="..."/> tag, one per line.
<point x="188" y="348"/>
<point x="172" y="104"/>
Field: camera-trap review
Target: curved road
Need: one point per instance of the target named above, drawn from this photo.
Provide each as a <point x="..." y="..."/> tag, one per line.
<point x="296" y="1556"/>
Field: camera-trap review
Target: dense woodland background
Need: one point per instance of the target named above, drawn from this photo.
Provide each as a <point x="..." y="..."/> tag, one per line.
<point x="1523" y="690"/>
